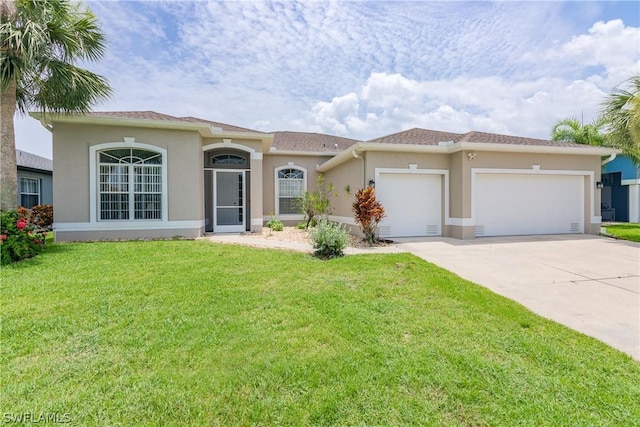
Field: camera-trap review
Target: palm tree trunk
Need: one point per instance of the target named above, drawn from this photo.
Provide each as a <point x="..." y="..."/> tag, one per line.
<point x="8" y="168"/>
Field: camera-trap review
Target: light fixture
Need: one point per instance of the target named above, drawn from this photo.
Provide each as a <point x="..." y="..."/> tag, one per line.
<point x="372" y="183"/>
<point x="471" y="155"/>
<point x="599" y="185"/>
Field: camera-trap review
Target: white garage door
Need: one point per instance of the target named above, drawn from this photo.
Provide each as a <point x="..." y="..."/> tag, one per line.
<point x="512" y="204"/>
<point x="413" y="203"/>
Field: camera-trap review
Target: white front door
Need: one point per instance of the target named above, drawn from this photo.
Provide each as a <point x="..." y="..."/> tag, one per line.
<point x="229" y="201"/>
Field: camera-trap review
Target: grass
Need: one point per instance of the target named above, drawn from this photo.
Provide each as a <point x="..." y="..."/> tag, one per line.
<point x="194" y="333"/>
<point x="630" y="231"/>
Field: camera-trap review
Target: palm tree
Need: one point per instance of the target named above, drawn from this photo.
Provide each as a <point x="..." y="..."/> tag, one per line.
<point x="571" y="130"/>
<point x="39" y="42"/>
<point x="621" y="109"/>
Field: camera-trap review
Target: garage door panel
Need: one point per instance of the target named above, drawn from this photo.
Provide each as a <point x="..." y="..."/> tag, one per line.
<point x="412" y="202"/>
<point x="512" y="204"/>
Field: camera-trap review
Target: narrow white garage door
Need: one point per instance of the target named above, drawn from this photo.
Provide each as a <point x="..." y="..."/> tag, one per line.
<point x="413" y="203"/>
<point x="513" y="204"/>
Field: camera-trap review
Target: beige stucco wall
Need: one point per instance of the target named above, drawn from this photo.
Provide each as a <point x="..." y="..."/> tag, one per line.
<point x="351" y="174"/>
<point x="71" y="145"/>
<point x="271" y="162"/>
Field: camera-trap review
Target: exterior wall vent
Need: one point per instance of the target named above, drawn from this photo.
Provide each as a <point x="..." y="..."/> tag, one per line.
<point x="574" y="227"/>
<point x="432" y="230"/>
<point x="385" y="230"/>
<point x="479" y="230"/>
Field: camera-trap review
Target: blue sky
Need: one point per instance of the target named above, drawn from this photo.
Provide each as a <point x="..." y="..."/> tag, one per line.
<point x="363" y="69"/>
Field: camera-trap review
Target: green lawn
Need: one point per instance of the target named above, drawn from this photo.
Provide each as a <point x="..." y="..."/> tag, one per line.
<point x="195" y="333"/>
<point x="630" y="231"/>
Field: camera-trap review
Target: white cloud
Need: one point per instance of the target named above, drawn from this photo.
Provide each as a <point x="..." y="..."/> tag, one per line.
<point x="361" y="69"/>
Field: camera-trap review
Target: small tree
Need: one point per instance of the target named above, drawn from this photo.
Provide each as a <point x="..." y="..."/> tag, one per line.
<point x="368" y="213"/>
<point x="316" y="204"/>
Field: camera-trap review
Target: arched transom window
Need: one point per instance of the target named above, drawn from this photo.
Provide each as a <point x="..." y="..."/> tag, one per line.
<point x="228" y="159"/>
<point x="129" y="184"/>
<point x="291" y="184"/>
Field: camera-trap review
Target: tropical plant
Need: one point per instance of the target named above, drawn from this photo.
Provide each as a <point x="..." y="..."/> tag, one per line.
<point x="621" y="110"/>
<point x="571" y="130"/>
<point x="329" y="239"/>
<point x="39" y="42"/>
<point x="316" y="204"/>
<point x="368" y="213"/>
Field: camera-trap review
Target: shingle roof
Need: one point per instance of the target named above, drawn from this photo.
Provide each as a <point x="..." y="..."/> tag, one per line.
<point x="418" y="136"/>
<point x="31" y="161"/>
<point x="313" y="142"/>
<point x="152" y="115"/>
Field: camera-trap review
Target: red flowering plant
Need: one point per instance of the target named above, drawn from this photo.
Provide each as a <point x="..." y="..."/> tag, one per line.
<point x="19" y="238"/>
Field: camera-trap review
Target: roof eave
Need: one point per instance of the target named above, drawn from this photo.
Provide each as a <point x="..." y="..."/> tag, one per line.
<point x="462" y="146"/>
<point x="303" y="153"/>
<point x="206" y="130"/>
<point x="587" y="150"/>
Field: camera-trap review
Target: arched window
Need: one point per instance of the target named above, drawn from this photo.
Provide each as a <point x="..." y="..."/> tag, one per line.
<point x="228" y="159"/>
<point x="291" y="183"/>
<point x="129" y="184"/>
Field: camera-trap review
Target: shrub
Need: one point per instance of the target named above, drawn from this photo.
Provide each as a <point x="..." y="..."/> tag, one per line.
<point x="19" y="238"/>
<point x="368" y="213"/>
<point x="329" y="239"/>
<point x="316" y="204"/>
<point x="275" y="224"/>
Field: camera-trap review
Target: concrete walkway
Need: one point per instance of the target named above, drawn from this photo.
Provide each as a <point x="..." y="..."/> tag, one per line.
<point x="588" y="283"/>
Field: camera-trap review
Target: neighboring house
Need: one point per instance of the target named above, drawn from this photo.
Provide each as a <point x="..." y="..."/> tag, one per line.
<point x="35" y="184"/>
<point x="621" y="190"/>
<point x="145" y="174"/>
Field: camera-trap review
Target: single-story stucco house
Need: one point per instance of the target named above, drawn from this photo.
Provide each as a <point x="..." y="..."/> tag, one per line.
<point x="145" y="174"/>
<point x="621" y="190"/>
<point x="35" y="183"/>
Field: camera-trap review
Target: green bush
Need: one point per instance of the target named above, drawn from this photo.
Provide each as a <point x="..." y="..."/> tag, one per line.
<point x="19" y="238"/>
<point x="329" y="239"/>
<point x="275" y="224"/>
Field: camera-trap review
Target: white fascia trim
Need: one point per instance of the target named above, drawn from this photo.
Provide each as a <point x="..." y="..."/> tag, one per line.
<point x="544" y="149"/>
<point x="443" y="172"/>
<point x="475" y="171"/>
<point x="630" y="182"/>
<point x="461" y="146"/>
<point x="127" y="225"/>
<point x="93" y="174"/>
<point x="51" y="118"/>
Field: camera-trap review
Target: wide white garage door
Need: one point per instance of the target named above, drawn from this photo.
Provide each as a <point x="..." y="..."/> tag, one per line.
<point x="413" y="203"/>
<point x="513" y="204"/>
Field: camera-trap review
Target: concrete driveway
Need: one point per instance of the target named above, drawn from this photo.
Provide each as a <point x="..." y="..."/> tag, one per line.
<point x="589" y="283"/>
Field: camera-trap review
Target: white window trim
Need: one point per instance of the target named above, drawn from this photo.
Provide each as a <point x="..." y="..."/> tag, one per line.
<point x="39" y="193"/>
<point x="93" y="182"/>
<point x="277" y="189"/>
